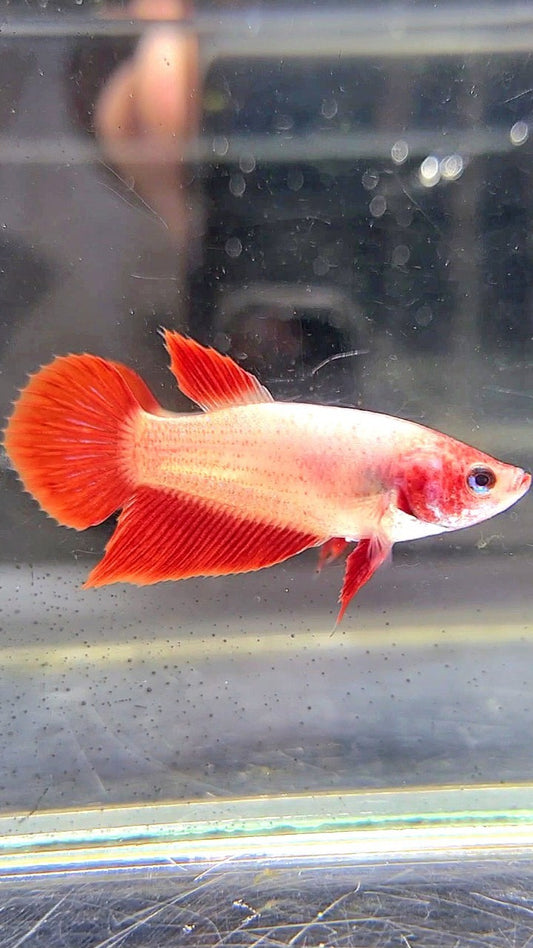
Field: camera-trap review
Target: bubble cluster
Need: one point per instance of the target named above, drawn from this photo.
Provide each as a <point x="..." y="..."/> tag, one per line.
<point x="433" y="169"/>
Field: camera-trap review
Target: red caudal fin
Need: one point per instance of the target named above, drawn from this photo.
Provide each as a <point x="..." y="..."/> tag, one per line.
<point x="360" y="566"/>
<point x="165" y="534"/>
<point x="208" y="378"/>
<point x="69" y="437"/>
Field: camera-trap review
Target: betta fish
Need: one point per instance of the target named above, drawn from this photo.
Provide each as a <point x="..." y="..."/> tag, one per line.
<point x="243" y="484"/>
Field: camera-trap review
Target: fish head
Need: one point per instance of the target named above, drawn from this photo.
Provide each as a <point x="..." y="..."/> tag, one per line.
<point x="457" y="486"/>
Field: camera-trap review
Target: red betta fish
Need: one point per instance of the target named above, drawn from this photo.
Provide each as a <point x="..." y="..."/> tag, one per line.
<point x="244" y="484"/>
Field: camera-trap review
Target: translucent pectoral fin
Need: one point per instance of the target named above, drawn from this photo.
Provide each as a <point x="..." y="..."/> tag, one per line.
<point x="367" y="557"/>
<point x="330" y="551"/>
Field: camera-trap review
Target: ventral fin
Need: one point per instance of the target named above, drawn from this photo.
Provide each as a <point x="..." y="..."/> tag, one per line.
<point x="330" y="551"/>
<point x="361" y="564"/>
<point x="164" y="534"/>
<point x="211" y="379"/>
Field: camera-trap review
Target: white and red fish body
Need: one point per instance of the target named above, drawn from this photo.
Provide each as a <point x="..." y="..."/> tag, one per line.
<point x="243" y="485"/>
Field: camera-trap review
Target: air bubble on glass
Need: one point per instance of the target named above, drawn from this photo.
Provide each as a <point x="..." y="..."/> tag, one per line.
<point x="233" y="247"/>
<point x="247" y="164"/>
<point x="220" y="145"/>
<point x="329" y="108"/>
<point x="237" y="185"/>
<point x="451" y="167"/>
<point x="400" y="255"/>
<point x="320" y="266"/>
<point x="295" y="179"/>
<point x="222" y="341"/>
<point x="429" y="172"/>
<point x="404" y="216"/>
<point x="519" y="133"/>
<point x="283" y="123"/>
<point x="399" y="152"/>
<point x="254" y="21"/>
<point x="378" y="206"/>
<point x="370" y="180"/>
<point x="423" y="316"/>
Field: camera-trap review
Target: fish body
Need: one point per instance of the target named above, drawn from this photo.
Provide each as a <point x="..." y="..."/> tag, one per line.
<point x="334" y="471"/>
<point x="244" y="484"/>
<point x="310" y="467"/>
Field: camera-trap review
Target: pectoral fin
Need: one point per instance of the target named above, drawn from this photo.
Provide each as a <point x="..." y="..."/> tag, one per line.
<point x="368" y="555"/>
<point x="330" y="551"/>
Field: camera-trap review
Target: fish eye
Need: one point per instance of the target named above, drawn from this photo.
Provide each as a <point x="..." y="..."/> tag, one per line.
<point x="481" y="480"/>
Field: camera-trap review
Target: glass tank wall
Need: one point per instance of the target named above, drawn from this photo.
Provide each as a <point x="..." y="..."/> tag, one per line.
<point x="340" y="199"/>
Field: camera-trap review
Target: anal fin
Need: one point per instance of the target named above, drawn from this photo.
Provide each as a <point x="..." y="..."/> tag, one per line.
<point x="164" y="534"/>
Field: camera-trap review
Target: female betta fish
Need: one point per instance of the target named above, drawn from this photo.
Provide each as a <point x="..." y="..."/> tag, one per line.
<point x="245" y="484"/>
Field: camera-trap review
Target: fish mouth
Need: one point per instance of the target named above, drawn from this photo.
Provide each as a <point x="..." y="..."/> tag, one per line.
<point x="523" y="482"/>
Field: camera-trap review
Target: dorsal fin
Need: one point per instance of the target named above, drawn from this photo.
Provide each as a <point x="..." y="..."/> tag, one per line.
<point x="211" y="379"/>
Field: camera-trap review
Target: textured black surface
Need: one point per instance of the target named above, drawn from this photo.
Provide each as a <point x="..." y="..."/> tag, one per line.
<point x="440" y="904"/>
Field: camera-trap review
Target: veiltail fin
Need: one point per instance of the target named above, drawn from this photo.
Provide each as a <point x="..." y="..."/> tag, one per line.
<point x="70" y="437"/>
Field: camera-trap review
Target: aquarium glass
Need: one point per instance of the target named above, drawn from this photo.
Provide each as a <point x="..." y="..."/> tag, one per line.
<point x="339" y="198"/>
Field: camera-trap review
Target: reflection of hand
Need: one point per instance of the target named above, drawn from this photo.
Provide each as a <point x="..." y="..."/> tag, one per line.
<point x="152" y="99"/>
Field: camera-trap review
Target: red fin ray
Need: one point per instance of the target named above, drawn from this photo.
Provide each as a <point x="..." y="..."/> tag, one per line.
<point x="361" y="564"/>
<point x="67" y="437"/>
<point x="211" y="379"/>
<point x="165" y="534"/>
